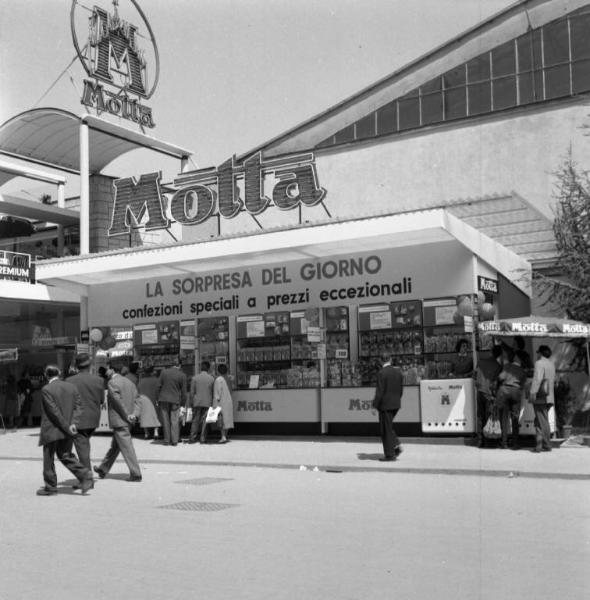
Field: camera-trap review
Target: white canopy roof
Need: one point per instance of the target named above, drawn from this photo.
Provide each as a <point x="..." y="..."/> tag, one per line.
<point x="50" y="137"/>
<point x="304" y="242"/>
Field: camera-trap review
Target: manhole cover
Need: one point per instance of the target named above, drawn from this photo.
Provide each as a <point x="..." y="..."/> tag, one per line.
<point x="198" y="506"/>
<point x="205" y="480"/>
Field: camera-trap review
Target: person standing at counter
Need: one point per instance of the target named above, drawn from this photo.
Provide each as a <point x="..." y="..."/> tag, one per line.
<point x="149" y="417"/>
<point x="463" y="362"/>
<point x="200" y="398"/>
<point x="171" y="396"/>
<point x="486" y="383"/>
<point x="388" y="395"/>
<point x="541" y="396"/>
<point x="511" y="381"/>
<point x="222" y="397"/>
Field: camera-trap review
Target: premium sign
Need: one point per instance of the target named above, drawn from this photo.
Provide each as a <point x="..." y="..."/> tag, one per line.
<point x="112" y="55"/>
<point x="226" y="191"/>
<point x="16" y="266"/>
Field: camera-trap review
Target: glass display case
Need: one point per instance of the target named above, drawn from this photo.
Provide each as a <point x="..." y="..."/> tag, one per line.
<point x="391" y="332"/>
<point x="444" y="326"/>
<point x="213" y="340"/>
<point x="157" y="344"/>
<point x="340" y="370"/>
<point x="263" y="350"/>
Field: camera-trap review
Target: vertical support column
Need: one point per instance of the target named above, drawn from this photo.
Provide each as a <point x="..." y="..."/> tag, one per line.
<point x="474" y="296"/>
<point x="84" y="190"/>
<point x="474" y="337"/>
<point x="83" y="313"/>
<point x="323" y="372"/>
<point x="61" y="203"/>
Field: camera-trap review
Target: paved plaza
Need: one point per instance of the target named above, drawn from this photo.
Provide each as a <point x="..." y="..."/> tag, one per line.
<point x="307" y="517"/>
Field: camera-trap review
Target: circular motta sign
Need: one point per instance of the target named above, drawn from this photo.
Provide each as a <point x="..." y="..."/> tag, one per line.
<point x="117" y="48"/>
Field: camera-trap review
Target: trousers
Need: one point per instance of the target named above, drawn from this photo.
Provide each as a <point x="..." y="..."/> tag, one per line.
<point x="509" y="399"/>
<point x="122" y="443"/>
<point x="170" y="424"/>
<point x="63" y="450"/>
<point x="198" y="424"/>
<point x="388" y="436"/>
<point x="542" y="428"/>
<point x="82" y="445"/>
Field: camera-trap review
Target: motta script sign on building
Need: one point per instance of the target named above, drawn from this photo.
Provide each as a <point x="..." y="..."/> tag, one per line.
<point x="120" y="57"/>
<point x="251" y="186"/>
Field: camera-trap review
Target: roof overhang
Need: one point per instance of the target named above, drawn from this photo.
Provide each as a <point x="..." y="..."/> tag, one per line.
<point x="37" y="211"/>
<point x="51" y="137"/>
<point x="79" y="274"/>
<point x="10" y="170"/>
<point x="38" y="292"/>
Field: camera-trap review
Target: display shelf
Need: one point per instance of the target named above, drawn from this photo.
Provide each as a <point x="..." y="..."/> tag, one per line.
<point x="213" y="339"/>
<point x="263" y="350"/>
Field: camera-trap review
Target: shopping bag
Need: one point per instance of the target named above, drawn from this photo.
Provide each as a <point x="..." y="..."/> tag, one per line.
<point x="212" y="414"/>
<point x="492" y="429"/>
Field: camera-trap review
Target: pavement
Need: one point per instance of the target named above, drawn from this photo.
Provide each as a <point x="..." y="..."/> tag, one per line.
<point x="427" y="455"/>
<point x="284" y="518"/>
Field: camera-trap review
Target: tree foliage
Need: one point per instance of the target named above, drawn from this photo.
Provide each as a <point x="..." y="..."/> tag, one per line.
<point x="571" y="227"/>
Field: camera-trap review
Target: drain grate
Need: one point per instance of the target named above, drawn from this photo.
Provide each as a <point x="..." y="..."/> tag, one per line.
<point x="198" y="506"/>
<point x="204" y="480"/>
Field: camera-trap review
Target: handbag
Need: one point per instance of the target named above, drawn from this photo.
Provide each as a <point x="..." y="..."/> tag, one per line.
<point x="212" y="414"/>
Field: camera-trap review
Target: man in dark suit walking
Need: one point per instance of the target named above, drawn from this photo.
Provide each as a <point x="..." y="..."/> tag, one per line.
<point x="91" y="390"/>
<point x="388" y="394"/>
<point x="171" y="396"/>
<point x="123" y="412"/>
<point x="60" y="414"/>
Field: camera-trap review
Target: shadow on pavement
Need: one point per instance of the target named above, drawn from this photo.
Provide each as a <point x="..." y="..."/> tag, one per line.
<point x="365" y="456"/>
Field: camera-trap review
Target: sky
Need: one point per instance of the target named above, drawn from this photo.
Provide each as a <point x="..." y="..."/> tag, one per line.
<point x="233" y="73"/>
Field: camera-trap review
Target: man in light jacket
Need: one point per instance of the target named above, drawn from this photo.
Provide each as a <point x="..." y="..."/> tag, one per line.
<point x="123" y="412"/>
<point x="542" y="397"/>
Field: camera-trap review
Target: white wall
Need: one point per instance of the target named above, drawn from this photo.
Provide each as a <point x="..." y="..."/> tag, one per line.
<point x="490" y="156"/>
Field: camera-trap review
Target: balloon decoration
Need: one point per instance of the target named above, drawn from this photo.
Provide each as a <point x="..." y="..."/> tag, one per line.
<point x="465" y="307"/>
<point x="96" y="335"/>
<point x="487" y="311"/>
<point x="108" y="342"/>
